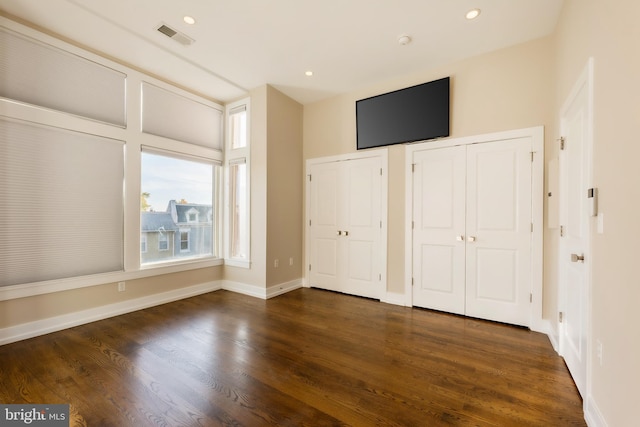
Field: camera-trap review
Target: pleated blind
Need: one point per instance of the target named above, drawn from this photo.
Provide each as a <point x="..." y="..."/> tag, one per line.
<point x="61" y="209"/>
<point x="36" y="73"/>
<point x="174" y="116"/>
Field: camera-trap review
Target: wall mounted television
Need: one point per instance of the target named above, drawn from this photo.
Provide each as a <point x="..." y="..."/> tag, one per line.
<point x="412" y="114"/>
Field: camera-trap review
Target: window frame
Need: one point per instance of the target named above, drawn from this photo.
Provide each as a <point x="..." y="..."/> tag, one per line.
<point x="134" y="139"/>
<point x="201" y="155"/>
<point x="235" y="156"/>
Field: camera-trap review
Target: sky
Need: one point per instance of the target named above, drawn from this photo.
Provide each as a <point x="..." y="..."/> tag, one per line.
<point x="166" y="178"/>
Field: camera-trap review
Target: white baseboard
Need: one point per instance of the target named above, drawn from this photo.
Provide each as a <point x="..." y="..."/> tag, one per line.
<point x="245" y="289"/>
<point x="394" y="298"/>
<point x="592" y="414"/>
<point x="283" y="288"/>
<point x="544" y="326"/>
<point x="58" y="323"/>
<point x="260" y="291"/>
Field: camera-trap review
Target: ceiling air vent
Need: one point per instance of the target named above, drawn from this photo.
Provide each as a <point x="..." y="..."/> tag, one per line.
<point x="175" y="35"/>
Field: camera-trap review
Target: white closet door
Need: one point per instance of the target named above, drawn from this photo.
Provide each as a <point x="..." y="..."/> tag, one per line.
<point x="345" y="233"/>
<point x="498" y="228"/>
<point x="439" y="229"/>
<point x="325" y="200"/>
<point x="361" y="228"/>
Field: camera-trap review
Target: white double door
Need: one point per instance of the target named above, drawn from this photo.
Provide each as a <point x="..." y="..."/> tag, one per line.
<point x="345" y="226"/>
<point x="472" y="230"/>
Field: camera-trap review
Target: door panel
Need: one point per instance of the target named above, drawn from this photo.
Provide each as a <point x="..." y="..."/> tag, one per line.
<point x="324" y="206"/>
<point x="574" y="276"/>
<point x="498" y="224"/>
<point x="438" y="235"/>
<point x="345" y="232"/>
<point x="362" y="222"/>
<point x="472" y="230"/>
<point x="495" y="274"/>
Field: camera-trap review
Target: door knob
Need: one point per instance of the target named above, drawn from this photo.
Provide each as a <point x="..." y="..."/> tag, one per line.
<point x="460" y="238"/>
<point x="339" y="233"/>
<point x="346" y="233"/>
<point x="471" y="239"/>
<point x="577" y="258"/>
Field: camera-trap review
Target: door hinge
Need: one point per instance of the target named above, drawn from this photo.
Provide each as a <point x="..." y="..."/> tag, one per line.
<point x="309" y="223"/>
<point x="309" y="267"/>
<point x="532" y="153"/>
<point x="560" y="317"/>
<point x="562" y="141"/>
<point x="532" y="227"/>
<point x="379" y="276"/>
<point x="309" y="177"/>
<point x="562" y="231"/>
<point x="412" y="281"/>
<point x="380" y="171"/>
<point x="412" y="225"/>
<point x="413" y="167"/>
<point x="530" y="297"/>
<point x="380" y="224"/>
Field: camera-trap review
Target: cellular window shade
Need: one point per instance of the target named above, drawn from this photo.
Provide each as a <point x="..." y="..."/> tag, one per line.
<point x="39" y="74"/>
<point x="174" y="116"/>
<point x="61" y="213"/>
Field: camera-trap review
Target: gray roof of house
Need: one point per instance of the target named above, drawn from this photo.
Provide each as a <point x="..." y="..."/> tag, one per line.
<point x="203" y="212"/>
<point x="156" y="221"/>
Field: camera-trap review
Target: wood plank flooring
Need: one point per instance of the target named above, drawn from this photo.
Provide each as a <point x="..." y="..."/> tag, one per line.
<point x="306" y="358"/>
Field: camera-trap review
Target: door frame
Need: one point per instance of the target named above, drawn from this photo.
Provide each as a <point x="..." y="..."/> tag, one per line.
<point x="584" y="82"/>
<point x="383" y="155"/>
<point x="536" y="134"/>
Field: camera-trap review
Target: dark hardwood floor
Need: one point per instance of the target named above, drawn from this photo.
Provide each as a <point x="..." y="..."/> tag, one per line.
<point x="306" y="358"/>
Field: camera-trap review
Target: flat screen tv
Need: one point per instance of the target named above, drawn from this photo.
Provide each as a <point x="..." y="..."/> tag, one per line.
<point x="412" y="114"/>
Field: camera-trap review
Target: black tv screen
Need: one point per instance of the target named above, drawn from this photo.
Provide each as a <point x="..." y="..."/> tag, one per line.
<point x="412" y="114"/>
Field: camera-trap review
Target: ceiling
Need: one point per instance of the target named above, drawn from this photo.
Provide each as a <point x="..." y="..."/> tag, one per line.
<point x="243" y="44"/>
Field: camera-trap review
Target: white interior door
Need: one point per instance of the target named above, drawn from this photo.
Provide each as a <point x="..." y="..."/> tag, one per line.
<point x="325" y="199"/>
<point x="345" y="226"/>
<point x="498" y="226"/>
<point x="361" y="227"/>
<point x="574" y="243"/>
<point x="472" y="230"/>
<point x="439" y="229"/>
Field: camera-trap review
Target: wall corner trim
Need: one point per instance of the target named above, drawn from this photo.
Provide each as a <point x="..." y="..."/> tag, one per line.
<point x="592" y="414"/>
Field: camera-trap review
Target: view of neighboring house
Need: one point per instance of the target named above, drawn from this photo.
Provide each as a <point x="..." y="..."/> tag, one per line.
<point x="183" y="230"/>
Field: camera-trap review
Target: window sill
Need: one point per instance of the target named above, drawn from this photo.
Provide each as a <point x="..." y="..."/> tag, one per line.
<point x="39" y="288"/>
<point x="237" y="263"/>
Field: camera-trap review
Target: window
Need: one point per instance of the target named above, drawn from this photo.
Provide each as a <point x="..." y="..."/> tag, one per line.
<point x="68" y="216"/>
<point x="238" y="201"/>
<point x="178" y="190"/>
<point x="163" y="242"/>
<point x="238" y="127"/>
<point x="184" y="240"/>
<point x="238" y="210"/>
<point x="56" y="219"/>
<point x="143" y="242"/>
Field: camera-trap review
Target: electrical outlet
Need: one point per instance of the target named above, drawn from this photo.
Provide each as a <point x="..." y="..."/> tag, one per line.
<point x="122" y="286"/>
<point x="599" y="351"/>
<point x="276" y="263"/>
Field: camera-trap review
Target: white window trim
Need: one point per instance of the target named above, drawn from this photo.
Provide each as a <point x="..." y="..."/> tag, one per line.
<point x="237" y="155"/>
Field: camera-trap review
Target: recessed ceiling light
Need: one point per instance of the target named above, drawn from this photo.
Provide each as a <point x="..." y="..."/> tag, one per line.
<point x="189" y="19"/>
<point x="308" y="73"/>
<point x="473" y="14"/>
